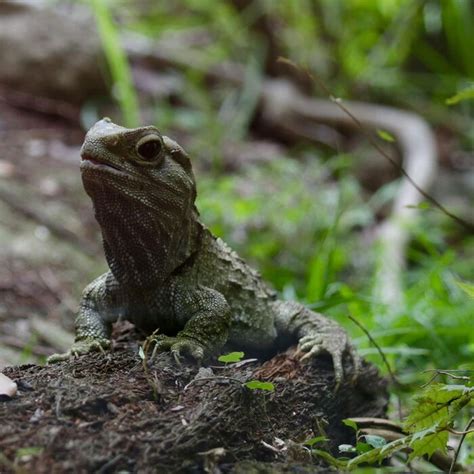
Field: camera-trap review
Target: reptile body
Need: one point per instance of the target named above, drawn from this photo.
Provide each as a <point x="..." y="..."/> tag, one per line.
<point x="168" y="271"/>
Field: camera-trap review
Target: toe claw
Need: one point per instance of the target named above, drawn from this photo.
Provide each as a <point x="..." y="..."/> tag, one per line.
<point x="311" y="351"/>
<point x="179" y="347"/>
<point x="338" y="369"/>
<point x="334" y="341"/>
<point x="176" y="356"/>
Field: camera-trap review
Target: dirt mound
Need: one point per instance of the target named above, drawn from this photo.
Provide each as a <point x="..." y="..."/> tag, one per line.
<point x="106" y="413"/>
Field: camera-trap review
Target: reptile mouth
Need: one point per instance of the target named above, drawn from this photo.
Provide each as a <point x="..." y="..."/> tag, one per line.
<point x="90" y="160"/>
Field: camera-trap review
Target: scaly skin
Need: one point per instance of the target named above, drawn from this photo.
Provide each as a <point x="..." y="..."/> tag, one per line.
<point x="168" y="271"/>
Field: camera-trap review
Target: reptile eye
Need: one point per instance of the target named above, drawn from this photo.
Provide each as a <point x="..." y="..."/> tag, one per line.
<point x="149" y="148"/>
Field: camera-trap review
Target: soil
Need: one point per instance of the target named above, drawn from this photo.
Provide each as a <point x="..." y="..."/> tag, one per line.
<point x="106" y="413"/>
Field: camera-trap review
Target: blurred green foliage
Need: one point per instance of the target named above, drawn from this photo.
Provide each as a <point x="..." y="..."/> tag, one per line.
<point x="119" y="68"/>
<point x="287" y="218"/>
<point x="415" y="53"/>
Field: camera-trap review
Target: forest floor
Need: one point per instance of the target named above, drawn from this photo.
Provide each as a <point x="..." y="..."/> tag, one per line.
<point x="110" y="412"/>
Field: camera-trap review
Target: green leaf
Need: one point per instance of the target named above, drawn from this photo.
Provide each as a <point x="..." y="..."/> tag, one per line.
<point x="363" y="448"/>
<point x="384" y="135"/>
<point x="317" y="439"/>
<point x="375" y="441"/>
<point x="465" y="94"/>
<point x="379" y="454"/>
<point x="431" y="407"/>
<point x="258" y="385"/>
<point x="350" y="423"/>
<point x="468" y="288"/>
<point x="231" y="357"/>
<point x="434" y="411"/>
<point x="141" y="353"/>
<point x="428" y="441"/>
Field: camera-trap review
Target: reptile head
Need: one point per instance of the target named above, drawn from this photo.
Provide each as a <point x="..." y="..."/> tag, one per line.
<point x="143" y="190"/>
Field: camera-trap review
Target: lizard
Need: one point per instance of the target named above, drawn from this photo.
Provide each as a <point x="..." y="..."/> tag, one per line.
<point x="168" y="271"/>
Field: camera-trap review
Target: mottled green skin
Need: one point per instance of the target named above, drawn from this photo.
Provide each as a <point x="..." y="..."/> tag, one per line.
<point x="168" y="271"/>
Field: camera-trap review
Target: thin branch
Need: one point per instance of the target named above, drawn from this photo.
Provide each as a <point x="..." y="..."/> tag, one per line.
<point x="216" y="377"/>
<point x="458" y="449"/>
<point x="460" y="433"/>
<point x="394" y="379"/>
<point x="438" y="372"/>
<point x="374" y="342"/>
<point x="467" y="225"/>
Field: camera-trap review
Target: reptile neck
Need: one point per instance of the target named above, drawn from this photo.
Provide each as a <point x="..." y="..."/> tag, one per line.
<point x="144" y="245"/>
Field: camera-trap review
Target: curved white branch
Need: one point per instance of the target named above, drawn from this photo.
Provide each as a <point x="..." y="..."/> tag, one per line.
<point x="282" y="103"/>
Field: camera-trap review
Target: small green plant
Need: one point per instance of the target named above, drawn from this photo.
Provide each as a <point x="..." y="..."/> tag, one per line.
<point x="259" y="385"/>
<point x="251" y="384"/>
<point x="426" y="429"/>
<point x="231" y="357"/>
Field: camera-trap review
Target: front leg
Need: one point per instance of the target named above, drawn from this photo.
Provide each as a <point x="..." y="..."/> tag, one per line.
<point x="315" y="334"/>
<point x="93" y="321"/>
<point x="205" y="314"/>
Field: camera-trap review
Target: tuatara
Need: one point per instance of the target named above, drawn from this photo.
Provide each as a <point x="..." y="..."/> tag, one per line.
<point x="168" y="271"/>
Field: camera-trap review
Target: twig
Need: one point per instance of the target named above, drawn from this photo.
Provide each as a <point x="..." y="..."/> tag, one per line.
<point x="374" y="342"/>
<point x="154" y="384"/>
<point x="458" y="449"/>
<point x="370" y="422"/>
<point x="460" y="433"/>
<point x="394" y="379"/>
<point x="449" y="370"/>
<point x="438" y="372"/>
<point x="234" y="365"/>
<point x="218" y="377"/>
<point x="111" y="463"/>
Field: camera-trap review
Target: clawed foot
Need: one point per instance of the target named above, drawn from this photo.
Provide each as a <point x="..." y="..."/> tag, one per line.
<point x="79" y="348"/>
<point x="179" y="347"/>
<point x="333" y="340"/>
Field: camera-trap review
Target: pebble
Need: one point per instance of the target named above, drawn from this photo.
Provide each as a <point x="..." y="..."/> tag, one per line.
<point x="7" y="386"/>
